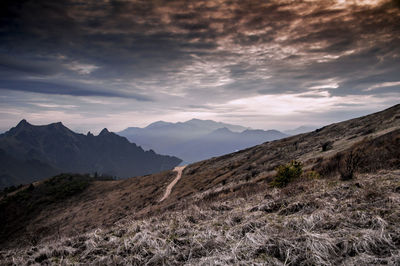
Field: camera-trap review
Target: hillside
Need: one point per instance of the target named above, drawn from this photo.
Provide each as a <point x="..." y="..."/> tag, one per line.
<point x="225" y="211"/>
<point x="196" y="139"/>
<point x="29" y="153"/>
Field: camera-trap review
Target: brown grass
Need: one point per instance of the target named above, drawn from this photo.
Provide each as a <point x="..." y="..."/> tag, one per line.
<point x="367" y="155"/>
<point x="101" y="205"/>
<point x="323" y="224"/>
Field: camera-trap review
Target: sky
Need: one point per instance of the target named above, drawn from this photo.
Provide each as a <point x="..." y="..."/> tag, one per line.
<point x="263" y="64"/>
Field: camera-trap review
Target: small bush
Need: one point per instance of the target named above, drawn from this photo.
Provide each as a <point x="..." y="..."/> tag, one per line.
<point x="348" y="165"/>
<point x="326" y="146"/>
<point x="312" y="175"/>
<point x="286" y="173"/>
<point x="31" y="187"/>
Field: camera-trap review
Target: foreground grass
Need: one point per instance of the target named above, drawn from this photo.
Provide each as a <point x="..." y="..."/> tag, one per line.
<point x="314" y="222"/>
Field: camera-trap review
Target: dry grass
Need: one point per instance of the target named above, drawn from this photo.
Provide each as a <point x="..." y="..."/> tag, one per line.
<point x="101" y="205"/>
<point x="328" y="223"/>
<point x="367" y="155"/>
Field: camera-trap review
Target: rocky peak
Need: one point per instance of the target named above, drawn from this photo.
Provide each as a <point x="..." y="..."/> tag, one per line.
<point x="104" y="132"/>
<point x="23" y="123"/>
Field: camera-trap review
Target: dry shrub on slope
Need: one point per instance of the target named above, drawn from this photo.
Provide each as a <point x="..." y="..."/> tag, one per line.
<point x="368" y="155"/>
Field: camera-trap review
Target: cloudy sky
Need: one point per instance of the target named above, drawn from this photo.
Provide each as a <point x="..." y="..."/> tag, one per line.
<point x="265" y="64"/>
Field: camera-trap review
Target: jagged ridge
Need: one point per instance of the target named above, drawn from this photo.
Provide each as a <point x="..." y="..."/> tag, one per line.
<point x="57" y="149"/>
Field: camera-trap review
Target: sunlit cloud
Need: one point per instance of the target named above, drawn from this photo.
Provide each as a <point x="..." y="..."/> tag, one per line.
<point x="46" y="105"/>
<point x="383" y="85"/>
<point x="82" y="69"/>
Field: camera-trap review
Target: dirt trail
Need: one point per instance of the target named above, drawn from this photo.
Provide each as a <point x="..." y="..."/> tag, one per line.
<point x="179" y="170"/>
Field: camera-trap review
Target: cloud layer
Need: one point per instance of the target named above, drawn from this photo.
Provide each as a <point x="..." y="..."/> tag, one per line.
<point x="180" y="58"/>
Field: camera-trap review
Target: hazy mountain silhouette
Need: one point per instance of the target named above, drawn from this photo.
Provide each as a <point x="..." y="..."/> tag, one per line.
<point x="29" y="153"/>
<point x="223" y="141"/>
<point x="300" y="130"/>
<point x="197" y="139"/>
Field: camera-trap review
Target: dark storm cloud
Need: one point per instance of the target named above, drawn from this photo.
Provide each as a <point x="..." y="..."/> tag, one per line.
<point x="138" y="39"/>
<point x="64" y="89"/>
<point x="36" y="66"/>
<point x="180" y="52"/>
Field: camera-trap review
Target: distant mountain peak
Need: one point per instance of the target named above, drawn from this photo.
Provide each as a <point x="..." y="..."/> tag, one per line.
<point x="222" y="130"/>
<point x="301" y="129"/>
<point x="261" y="131"/>
<point x="158" y="124"/>
<point x="22" y="126"/>
<point x="23" y="123"/>
<point x="56" y="127"/>
<point x="57" y="124"/>
<point x="198" y="120"/>
<point x="104" y="132"/>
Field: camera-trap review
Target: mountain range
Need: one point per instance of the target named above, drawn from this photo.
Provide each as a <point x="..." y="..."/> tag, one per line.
<point x="299" y="130"/>
<point x="196" y="139"/>
<point x="29" y="153"/>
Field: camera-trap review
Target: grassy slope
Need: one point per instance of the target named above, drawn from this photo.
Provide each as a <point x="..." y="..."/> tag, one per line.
<point x="311" y="222"/>
<point x="253" y="168"/>
<point x="101" y="204"/>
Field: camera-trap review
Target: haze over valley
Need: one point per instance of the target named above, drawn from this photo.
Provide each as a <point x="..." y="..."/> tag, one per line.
<point x="196" y="139"/>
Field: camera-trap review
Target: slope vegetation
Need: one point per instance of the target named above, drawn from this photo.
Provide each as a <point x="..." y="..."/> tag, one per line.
<point x="71" y="204"/>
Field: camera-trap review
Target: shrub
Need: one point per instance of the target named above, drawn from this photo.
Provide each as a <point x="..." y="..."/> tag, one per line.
<point x="286" y="173"/>
<point x="326" y="146"/>
<point x="312" y="175"/>
<point x="348" y="165"/>
<point x="31" y="187"/>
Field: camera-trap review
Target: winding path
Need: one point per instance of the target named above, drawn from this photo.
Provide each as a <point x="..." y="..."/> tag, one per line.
<point x="179" y="170"/>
